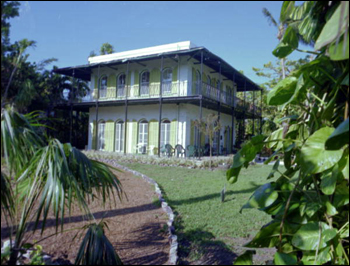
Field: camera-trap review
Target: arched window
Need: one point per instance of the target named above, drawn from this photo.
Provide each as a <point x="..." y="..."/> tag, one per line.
<point x="121" y="85"/>
<point x="119" y="136"/>
<point x="167" y="78"/>
<point x="101" y="135"/>
<point x="103" y="87"/>
<point x="143" y="136"/>
<point x="144" y="83"/>
<point x="165" y="133"/>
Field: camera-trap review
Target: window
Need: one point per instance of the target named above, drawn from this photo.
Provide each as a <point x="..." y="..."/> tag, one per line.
<point x="103" y="87"/>
<point x="101" y="135"/>
<point x="144" y="88"/>
<point x="143" y="136"/>
<point x="165" y="133"/>
<point x="167" y="79"/>
<point x="121" y="85"/>
<point x="119" y="136"/>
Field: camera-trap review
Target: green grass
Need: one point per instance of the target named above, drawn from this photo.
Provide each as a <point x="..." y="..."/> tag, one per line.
<point x="194" y="195"/>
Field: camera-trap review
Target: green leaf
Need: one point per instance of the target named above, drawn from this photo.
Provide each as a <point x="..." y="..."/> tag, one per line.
<point x="308" y="236"/>
<point x="341" y="196"/>
<point x="339" y="51"/>
<point x="232" y="174"/>
<point x="314" y="157"/>
<point x="286" y="10"/>
<point x="263" y="197"/>
<point x="344" y="164"/>
<point x="334" y="26"/>
<point x="331" y="210"/>
<point x="323" y="257"/>
<point x="285" y="259"/>
<point x="329" y="180"/>
<point x="339" y="138"/>
<point x="268" y="235"/>
<point x="288" y="43"/>
<point x="245" y="259"/>
<point x="282" y="92"/>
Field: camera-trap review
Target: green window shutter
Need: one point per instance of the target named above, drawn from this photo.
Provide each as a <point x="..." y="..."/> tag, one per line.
<point x="153" y="133"/>
<point x="175" y="74"/>
<point x="204" y="78"/>
<point x="94" y="132"/>
<point x="136" y="83"/>
<point x="134" y="136"/>
<point x="173" y="129"/>
<point x="155" y="82"/>
<point x="174" y="85"/>
<point x="96" y="82"/>
<point x="193" y="81"/>
<point x="213" y="82"/>
<point x="109" y="135"/>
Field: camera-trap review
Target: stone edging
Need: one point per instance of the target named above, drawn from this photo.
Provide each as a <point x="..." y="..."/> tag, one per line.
<point x="173" y="254"/>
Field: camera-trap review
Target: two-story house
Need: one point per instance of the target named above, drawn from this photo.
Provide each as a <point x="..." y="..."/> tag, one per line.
<point x="142" y="99"/>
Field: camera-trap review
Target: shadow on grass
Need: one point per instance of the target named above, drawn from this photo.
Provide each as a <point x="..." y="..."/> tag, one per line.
<point x="211" y="196"/>
<point x="199" y="247"/>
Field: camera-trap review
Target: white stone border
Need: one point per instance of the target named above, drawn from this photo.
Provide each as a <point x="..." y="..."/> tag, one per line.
<point x="174" y="245"/>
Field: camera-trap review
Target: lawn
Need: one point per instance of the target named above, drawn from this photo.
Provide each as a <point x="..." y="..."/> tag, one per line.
<point x="203" y="220"/>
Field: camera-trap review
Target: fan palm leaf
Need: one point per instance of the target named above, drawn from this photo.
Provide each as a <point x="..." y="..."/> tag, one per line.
<point x="48" y="177"/>
<point x="96" y="249"/>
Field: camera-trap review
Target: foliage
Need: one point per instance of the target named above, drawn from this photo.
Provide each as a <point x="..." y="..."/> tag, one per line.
<point x="46" y="176"/>
<point x="309" y="202"/>
<point x="106" y="48"/>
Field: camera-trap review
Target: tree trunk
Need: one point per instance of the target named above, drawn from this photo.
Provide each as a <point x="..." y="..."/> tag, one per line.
<point x="283" y="68"/>
<point x="210" y="157"/>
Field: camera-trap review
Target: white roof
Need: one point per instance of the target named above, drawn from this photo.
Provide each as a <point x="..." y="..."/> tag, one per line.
<point x="143" y="52"/>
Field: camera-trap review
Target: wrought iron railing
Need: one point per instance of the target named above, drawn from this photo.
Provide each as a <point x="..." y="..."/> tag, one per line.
<point x="170" y="89"/>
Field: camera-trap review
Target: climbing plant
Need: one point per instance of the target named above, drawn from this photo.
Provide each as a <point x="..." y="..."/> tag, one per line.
<point x="308" y="198"/>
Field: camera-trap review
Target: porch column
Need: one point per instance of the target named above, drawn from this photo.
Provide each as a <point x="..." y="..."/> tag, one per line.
<point x="71" y="109"/>
<point x="245" y="106"/>
<point x="253" y="113"/>
<point x="97" y="97"/>
<point x="233" y="112"/>
<point x="199" y="138"/>
<point x="219" y="110"/>
<point x="261" y="111"/>
<point x="126" y="107"/>
<point x="160" y="103"/>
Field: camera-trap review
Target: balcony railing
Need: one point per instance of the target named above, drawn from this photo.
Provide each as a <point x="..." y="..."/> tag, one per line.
<point x="171" y="89"/>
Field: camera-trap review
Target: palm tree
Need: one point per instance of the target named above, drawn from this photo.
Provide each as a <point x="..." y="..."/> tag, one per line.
<point x="18" y="59"/>
<point x="45" y="175"/>
<point x="209" y="126"/>
<point x="281" y="26"/>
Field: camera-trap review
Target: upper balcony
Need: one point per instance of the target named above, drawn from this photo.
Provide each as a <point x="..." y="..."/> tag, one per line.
<point x="170" y="89"/>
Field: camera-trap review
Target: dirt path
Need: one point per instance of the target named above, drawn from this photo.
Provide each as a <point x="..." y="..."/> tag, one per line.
<point x="136" y="227"/>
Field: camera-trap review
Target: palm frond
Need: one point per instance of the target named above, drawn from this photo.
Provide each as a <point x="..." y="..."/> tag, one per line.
<point x="6" y="196"/>
<point x="269" y="17"/>
<point x="96" y="249"/>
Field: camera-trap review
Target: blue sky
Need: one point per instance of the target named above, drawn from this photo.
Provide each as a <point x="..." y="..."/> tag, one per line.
<point x="236" y="31"/>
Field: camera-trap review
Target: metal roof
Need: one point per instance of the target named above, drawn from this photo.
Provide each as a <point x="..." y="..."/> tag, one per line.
<point x="211" y="60"/>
